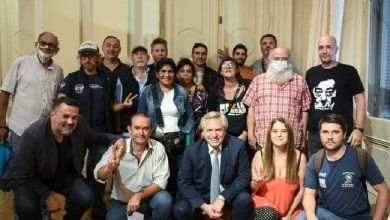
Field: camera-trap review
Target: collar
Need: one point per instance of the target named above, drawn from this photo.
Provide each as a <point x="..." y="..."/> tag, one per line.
<point x="211" y="148"/>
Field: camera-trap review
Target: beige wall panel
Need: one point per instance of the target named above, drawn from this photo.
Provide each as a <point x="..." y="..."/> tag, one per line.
<point x="9" y="19"/>
<point x="355" y="32"/>
<point x="111" y="19"/>
<point x="63" y="19"/>
<point x="239" y="25"/>
<point x="300" y="33"/>
<point x="191" y="22"/>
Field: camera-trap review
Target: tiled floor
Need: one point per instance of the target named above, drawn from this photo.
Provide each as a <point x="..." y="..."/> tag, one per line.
<point x="6" y="210"/>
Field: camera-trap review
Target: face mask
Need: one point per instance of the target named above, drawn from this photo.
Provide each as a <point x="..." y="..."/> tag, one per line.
<point x="44" y="57"/>
<point x="279" y="65"/>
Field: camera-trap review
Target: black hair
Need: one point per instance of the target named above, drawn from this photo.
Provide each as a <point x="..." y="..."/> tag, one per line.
<point x="333" y="119"/>
<point x="196" y="45"/>
<point x="185" y="61"/>
<point x="271" y="36"/>
<point x="240" y="46"/>
<point x="65" y="100"/>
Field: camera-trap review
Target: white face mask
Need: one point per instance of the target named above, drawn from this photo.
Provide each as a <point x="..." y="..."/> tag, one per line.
<point x="279" y="65"/>
<point x="44" y="57"/>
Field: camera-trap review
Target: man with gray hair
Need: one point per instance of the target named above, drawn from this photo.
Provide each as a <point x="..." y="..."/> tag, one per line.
<point x="214" y="174"/>
<point x="278" y="93"/>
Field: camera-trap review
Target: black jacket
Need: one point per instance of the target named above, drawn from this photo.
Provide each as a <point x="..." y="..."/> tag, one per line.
<point x="70" y="87"/>
<point x="35" y="160"/>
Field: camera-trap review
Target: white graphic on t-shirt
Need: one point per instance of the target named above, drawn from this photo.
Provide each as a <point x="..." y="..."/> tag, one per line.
<point x="79" y="88"/>
<point x="348" y="180"/>
<point x="324" y="93"/>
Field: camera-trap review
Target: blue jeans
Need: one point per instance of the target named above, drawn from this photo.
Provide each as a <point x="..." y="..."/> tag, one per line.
<point x="322" y="214"/>
<point x="95" y="153"/>
<point x="241" y="208"/>
<point x="160" y="205"/>
<point x="14" y="145"/>
<point x="78" y="198"/>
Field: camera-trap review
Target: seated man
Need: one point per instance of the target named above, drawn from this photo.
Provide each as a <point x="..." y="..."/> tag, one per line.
<point x="140" y="176"/>
<point x="50" y="157"/>
<point x="338" y="174"/>
<point x="214" y="171"/>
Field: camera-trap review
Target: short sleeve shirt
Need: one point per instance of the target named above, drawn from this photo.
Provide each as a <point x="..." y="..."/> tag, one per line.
<point x="340" y="184"/>
<point x="271" y="100"/>
<point x="34" y="90"/>
<point x="332" y="91"/>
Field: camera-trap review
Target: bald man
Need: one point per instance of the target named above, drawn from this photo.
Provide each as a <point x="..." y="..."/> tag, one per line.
<point x="280" y="92"/>
<point x="334" y="86"/>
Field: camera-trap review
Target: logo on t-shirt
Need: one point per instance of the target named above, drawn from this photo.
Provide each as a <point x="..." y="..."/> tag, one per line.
<point x="348" y="177"/>
<point x="324" y="94"/>
<point x="79" y="88"/>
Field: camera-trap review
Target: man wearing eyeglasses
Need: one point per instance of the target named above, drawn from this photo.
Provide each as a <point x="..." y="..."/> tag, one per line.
<point x="280" y="92"/>
<point x="33" y="81"/>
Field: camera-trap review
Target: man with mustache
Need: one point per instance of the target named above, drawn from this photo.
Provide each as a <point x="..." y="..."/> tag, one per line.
<point x="334" y="87"/>
<point x="50" y="158"/>
<point x="128" y="86"/>
<point x="140" y="176"/>
<point x="89" y="86"/>
<point x="278" y="93"/>
<point x="340" y="178"/>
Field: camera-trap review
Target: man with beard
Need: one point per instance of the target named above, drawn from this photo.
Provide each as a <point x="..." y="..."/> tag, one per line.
<point x="339" y="179"/>
<point x="140" y="176"/>
<point x="129" y="86"/>
<point x="267" y="43"/>
<point x="50" y="158"/>
<point x="89" y="86"/>
<point x="33" y="81"/>
<point x="240" y="53"/>
<point x="278" y="93"/>
<point x="334" y="86"/>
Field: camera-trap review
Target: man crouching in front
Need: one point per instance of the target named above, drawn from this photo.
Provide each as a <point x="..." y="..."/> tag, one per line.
<point x="140" y="176"/>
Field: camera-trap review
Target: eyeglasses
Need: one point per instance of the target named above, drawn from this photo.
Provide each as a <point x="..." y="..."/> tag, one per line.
<point x="228" y="65"/>
<point x="44" y="45"/>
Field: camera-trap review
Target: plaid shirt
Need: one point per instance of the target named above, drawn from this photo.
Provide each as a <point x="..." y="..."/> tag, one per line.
<point x="271" y="100"/>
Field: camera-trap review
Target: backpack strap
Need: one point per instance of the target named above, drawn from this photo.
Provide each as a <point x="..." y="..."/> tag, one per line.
<point x="361" y="153"/>
<point x="299" y="160"/>
<point x="318" y="158"/>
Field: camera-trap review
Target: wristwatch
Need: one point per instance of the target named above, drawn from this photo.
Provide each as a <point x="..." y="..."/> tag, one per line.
<point x="360" y="129"/>
<point x="220" y="197"/>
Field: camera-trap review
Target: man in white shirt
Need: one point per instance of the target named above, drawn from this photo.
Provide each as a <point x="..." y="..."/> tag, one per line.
<point x="140" y="176"/>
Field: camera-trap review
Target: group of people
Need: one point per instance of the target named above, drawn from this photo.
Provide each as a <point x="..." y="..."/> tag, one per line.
<point x="189" y="134"/>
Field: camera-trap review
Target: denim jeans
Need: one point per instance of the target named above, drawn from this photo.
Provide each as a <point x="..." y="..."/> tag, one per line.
<point x="78" y="198"/>
<point x="322" y="214"/>
<point x="160" y="205"/>
<point x="95" y="153"/>
<point x="14" y="145"/>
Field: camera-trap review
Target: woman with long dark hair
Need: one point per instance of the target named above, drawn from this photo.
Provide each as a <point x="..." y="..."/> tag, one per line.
<point x="170" y="110"/>
<point x="226" y="97"/>
<point x="277" y="174"/>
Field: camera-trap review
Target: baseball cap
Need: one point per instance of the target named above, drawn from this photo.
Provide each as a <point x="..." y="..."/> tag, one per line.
<point x="88" y="46"/>
<point x="139" y="48"/>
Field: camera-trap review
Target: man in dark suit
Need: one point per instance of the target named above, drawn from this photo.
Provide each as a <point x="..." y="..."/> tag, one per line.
<point x="50" y="158"/>
<point x="214" y="171"/>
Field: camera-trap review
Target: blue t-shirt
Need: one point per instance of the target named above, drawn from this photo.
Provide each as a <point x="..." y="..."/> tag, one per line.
<point x="340" y="184"/>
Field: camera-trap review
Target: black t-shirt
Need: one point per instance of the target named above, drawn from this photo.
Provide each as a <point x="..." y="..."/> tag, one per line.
<point x="96" y="85"/>
<point x="238" y="112"/>
<point x="332" y="91"/>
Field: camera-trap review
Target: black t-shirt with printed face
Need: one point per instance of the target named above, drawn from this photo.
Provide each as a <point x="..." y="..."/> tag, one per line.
<point x="332" y="91"/>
